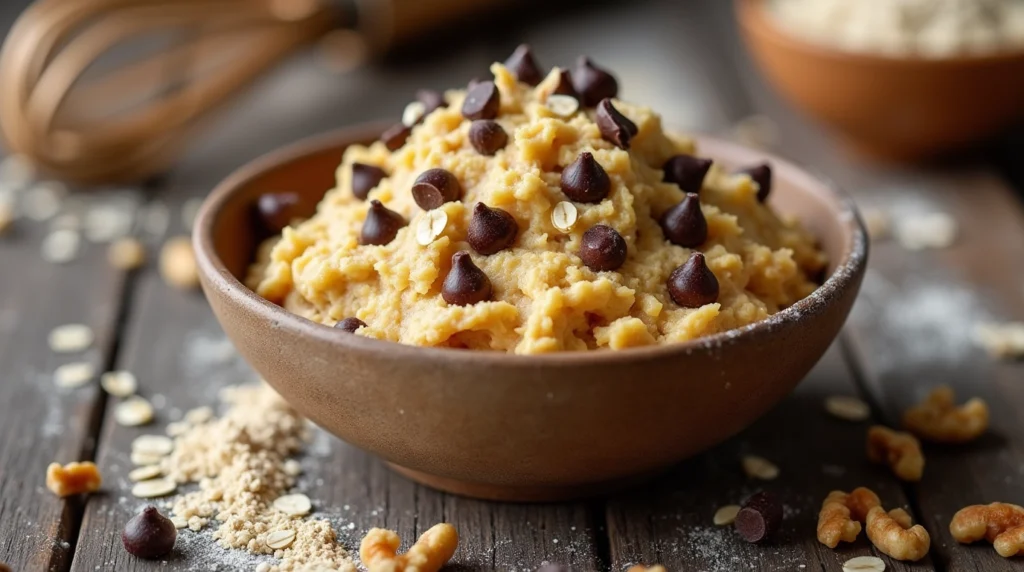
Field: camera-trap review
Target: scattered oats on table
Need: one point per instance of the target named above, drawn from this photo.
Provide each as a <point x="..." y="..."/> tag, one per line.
<point x="74" y="375"/>
<point x="126" y="254"/>
<point x="178" y="263"/>
<point x="133" y="412"/>
<point x="70" y="338"/>
<point x="726" y="515"/>
<point x="61" y="246"/>
<point x="119" y="383"/>
<point x="1001" y="340"/>
<point x="756" y="467"/>
<point x="920" y="232"/>
<point x="847" y="407"/>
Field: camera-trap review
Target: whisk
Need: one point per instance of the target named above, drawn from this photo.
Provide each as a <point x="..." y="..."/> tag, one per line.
<point x="113" y="90"/>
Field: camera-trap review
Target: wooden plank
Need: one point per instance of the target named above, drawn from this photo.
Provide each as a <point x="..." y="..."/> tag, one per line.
<point x="40" y="422"/>
<point x="911" y="329"/>
<point x="670" y="523"/>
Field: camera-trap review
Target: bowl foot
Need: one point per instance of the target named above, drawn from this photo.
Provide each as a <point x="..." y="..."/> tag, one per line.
<point x="516" y="493"/>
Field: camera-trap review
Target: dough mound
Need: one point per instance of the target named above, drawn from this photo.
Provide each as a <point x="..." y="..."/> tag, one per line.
<point x="544" y="298"/>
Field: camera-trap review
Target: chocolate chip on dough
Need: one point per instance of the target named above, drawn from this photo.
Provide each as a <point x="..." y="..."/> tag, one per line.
<point x="585" y="180"/>
<point x="491" y="230"/>
<point x="435" y="187"/>
<point x="684" y="224"/>
<point x="762" y="175"/>
<point x="395" y="136"/>
<point x="592" y="83"/>
<point x="615" y="127"/>
<point x="487" y="136"/>
<point x="365" y="178"/>
<point x="381" y="225"/>
<point x="524" y="65"/>
<point x="687" y="172"/>
<point x="482" y="101"/>
<point x="350" y="325"/>
<point x="465" y="284"/>
<point x="693" y="285"/>
<point x="602" y="248"/>
<point x="277" y="210"/>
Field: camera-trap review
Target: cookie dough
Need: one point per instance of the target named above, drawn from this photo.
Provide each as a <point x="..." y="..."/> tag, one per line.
<point x="396" y="276"/>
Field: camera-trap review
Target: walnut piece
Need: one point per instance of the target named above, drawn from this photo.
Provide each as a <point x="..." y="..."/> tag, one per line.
<point x="889" y="536"/>
<point x="1000" y="523"/>
<point x="73" y="478"/>
<point x="902" y="451"/>
<point x="379" y="550"/>
<point x="834" y="521"/>
<point x="938" y="418"/>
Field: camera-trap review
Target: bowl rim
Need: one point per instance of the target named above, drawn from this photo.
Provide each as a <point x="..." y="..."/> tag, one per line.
<point x="753" y="17"/>
<point x="219" y="278"/>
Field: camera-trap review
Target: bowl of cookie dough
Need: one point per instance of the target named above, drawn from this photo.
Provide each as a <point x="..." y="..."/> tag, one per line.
<point x="896" y="79"/>
<point x="528" y="289"/>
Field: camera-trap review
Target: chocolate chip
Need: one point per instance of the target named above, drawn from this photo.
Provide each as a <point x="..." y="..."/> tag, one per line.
<point x="602" y="248"/>
<point x="693" y="285"/>
<point x="615" y="127"/>
<point x="350" y="325"/>
<point x="365" y="178"/>
<point x="482" y="101"/>
<point x="524" y="65"/>
<point x="592" y="83"/>
<point x="277" y="210"/>
<point x="687" y="172"/>
<point x="762" y="175"/>
<point x="564" y="86"/>
<point x="395" y="136"/>
<point x="431" y="100"/>
<point x="465" y="284"/>
<point x="491" y="230"/>
<point x="585" y="180"/>
<point x="684" y="224"/>
<point x="760" y="518"/>
<point x="435" y="187"/>
<point x="381" y="225"/>
<point x="487" y="136"/>
<point x="149" y="534"/>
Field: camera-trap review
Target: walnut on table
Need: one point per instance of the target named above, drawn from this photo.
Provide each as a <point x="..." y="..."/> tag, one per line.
<point x="902" y="451"/>
<point x="73" y="478"/>
<point x="1000" y="523"/>
<point x="842" y="514"/>
<point x="938" y="418"/>
<point x="890" y="536"/>
<point x="435" y="547"/>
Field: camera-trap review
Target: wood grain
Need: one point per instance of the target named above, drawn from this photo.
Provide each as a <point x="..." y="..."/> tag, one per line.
<point x="41" y="423"/>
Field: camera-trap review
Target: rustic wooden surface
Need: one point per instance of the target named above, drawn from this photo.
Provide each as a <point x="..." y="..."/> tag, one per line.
<point x="909" y="332"/>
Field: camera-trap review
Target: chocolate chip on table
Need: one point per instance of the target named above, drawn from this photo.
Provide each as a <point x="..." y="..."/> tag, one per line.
<point x="381" y="225"/>
<point x="277" y="210"/>
<point x="364" y="178"/>
<point x="687" y="172"/>
<point x="431" y="100"/>
<point x="395" y="136"/>
<point x="350" y="325"/>
<point x="602" y="248"/>
<point x="693" y="284"/>
<point x="564" y="86"/>
<point x="524" y="65"/>
<point x="762" y="175"/>
<point x="592" y="83"/>
<point x="585" y="180"/>
<point x="684" y="224"/>
<point x="465" y="284"/>
<point x="491" y="230"/>
<point x="482" y="101"/>
<point x="615" y="127"/>
<point x="435" y="187"/>
<point x="760" y="518"/>
<point x="487" y="136"/>
<point x="149" y="534"/>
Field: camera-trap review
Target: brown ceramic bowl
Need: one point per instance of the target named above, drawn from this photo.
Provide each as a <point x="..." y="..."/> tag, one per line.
<point x="512" y="427"/>
<point x="899" y="108"/>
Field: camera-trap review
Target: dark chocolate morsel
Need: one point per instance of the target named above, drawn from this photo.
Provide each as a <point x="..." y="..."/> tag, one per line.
<point x="431" y="100"/>
<point x="381" y="225"/>
<point x="491" y="230"/>
<point x="762" y="175"/>
<point x="395" y="136"/>
<point x="615" y="127"/>
<point x="687" y="172"/>
<point x="482" y="101"/>
<point x="602" y="248"/>
<point x="524" y="65"/>
<point x="487" y="136"/>
<point x="760" y="518"/>
<point x="277" y="210"/>
<point x="365" y="178"/>
<point x="149" y="534"/>
<point x="592" y="83"/>
<point x="564" y="86"/>
<point x="585" y="180"/>
<point x="350" y="325"/>
<point x="435" y="187"/>
<point x="693" y="284"/>
<point x="465" y="284"/>
<point x="684" y="224"/>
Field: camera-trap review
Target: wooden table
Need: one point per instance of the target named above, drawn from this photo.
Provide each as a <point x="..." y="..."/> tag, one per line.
<point x="909" y="332"/>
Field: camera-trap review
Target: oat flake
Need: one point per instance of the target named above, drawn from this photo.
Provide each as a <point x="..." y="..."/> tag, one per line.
<point x="70" y="338"/>
<point x="154" y="488"/>
<point x="759" y="468"/>
<point x="133" y="412"/>
<point x="153" y="445"/>
<point x="726" y="515"/>
<point x="848" y="408"/>
<point x="119" y="383"/>
<point x="293" y="505"/>
<point x="72" y="375"/>
<point x="145" y="473"/>
<point x="864" y="564"/>
<point x="61" y="246"/>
